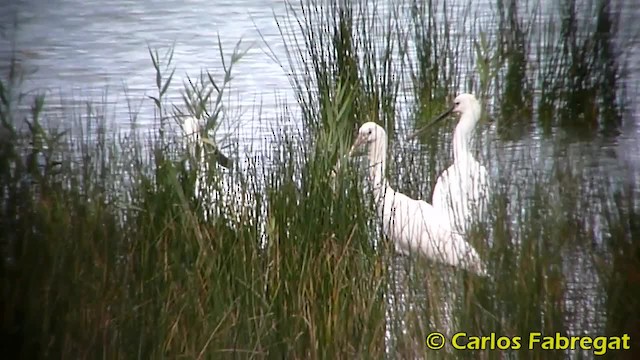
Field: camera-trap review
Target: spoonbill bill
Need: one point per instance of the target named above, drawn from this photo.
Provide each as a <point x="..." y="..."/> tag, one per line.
<point x="412" y="225"/>
<point x="462" y="190"/>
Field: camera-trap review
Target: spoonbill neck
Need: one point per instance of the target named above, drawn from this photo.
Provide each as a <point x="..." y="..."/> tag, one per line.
<point x="378" y="164"/>
<point x="463" y="135"/>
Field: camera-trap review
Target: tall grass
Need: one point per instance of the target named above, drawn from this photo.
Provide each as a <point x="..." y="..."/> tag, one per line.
<point x="107" y="251"/>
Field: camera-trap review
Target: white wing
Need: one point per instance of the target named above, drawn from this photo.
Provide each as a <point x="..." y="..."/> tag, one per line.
<point x="416" y="226"/>
<point x="462" y="194"/>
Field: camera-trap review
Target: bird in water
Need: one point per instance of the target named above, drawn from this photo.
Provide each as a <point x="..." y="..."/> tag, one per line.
<point x="412" y="225"/>
<point x="462" y="190"/>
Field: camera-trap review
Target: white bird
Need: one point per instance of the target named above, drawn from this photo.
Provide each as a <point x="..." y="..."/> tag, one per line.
<point x="462" y="190"/>
<point x="413" y="225"/>
<point x="233" y="198"/>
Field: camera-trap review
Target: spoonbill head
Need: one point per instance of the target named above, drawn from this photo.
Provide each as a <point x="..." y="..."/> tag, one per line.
<point x="192" y="130"/>
<point x="464" y="104"/>
<point x="373" y="139"/>
<point x="372" y="135"/>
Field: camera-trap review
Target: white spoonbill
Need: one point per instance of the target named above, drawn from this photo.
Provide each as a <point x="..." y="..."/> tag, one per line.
<point x="462" y="190"/>
<point x="413" y="225"/>
<point x="234" y="200"/>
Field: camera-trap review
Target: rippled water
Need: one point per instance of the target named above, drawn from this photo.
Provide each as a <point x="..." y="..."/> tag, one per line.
<point x="80" y="49"/>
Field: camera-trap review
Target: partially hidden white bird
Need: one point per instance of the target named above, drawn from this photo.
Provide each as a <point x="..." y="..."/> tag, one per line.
<point x="234" y="200"/>
<point x="412" y="225"/>
<point x="462" y="190"/>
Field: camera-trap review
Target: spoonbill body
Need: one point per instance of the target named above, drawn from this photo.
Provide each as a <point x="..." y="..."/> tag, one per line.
<point x="462" y="190"/>
<point x="412" y="225"/>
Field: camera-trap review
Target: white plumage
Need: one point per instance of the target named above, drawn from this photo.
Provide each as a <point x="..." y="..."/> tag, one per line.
<point x="413" y="225"/>
<point x="462" y="190"/>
